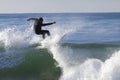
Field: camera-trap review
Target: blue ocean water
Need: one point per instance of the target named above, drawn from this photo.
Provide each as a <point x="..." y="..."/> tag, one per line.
<point x="82" y="46"/>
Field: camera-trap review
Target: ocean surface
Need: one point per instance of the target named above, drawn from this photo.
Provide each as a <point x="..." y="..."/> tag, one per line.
<point x="82" y="46"/>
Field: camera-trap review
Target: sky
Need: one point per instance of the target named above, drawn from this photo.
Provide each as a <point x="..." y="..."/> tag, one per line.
<point x="58" y="6"/>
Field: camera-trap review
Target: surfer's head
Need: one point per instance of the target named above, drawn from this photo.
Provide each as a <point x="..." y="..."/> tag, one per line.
<point x="41" y="19"/>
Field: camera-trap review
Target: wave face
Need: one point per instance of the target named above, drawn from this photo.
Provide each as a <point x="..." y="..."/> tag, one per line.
<point x="81" y="47"/>
<point x="88" y="63"/>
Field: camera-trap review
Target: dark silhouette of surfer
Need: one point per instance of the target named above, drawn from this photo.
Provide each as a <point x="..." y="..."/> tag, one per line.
<point x="38" y="26"/>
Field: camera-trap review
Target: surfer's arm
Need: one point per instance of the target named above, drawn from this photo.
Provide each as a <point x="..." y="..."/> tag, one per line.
<point x="32" y="19"/>
<point x="45" y="24"/>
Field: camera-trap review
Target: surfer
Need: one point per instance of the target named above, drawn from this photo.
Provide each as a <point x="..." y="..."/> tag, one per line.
<point x="38" y="26"/>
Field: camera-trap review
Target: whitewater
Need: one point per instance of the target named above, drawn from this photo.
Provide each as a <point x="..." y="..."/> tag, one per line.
<point x="82" y="46"/>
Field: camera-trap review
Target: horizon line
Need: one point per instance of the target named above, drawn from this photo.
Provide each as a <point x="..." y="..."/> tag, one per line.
<point x="53" y="12"/>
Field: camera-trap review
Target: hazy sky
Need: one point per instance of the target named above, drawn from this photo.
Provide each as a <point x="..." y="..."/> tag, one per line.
<point x="48" y="6"/>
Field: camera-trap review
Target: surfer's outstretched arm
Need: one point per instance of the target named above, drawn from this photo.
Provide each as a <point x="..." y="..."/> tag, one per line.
<point x="32" y="19"/>
<point x="45" y="24"/>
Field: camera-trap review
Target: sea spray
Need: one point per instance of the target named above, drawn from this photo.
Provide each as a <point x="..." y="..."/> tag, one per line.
<point x="13" y="43"/>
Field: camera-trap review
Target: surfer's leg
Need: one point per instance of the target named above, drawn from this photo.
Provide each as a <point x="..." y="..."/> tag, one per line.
<point x="41" y="32"/>
<point x="43" y="35"/>
<point x="47" y="32"/>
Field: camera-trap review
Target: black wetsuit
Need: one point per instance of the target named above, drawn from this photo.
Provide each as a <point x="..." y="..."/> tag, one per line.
<point x="37" y="28"/>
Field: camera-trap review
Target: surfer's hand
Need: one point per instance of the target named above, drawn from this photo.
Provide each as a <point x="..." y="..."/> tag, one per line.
<point x="28" y="19"/>
<point x="54" y="22"/>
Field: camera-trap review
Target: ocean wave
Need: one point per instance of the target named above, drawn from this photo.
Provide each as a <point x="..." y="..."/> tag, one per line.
<point x="94" y="69"/>
<point x="85" y="47"/>
<point x="87" y="61"/>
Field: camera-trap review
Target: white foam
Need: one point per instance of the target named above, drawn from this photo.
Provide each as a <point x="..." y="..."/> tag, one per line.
<point x="111" y="67"/>
<point x="14" y="42"/>
<point x="13" y="37"/>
